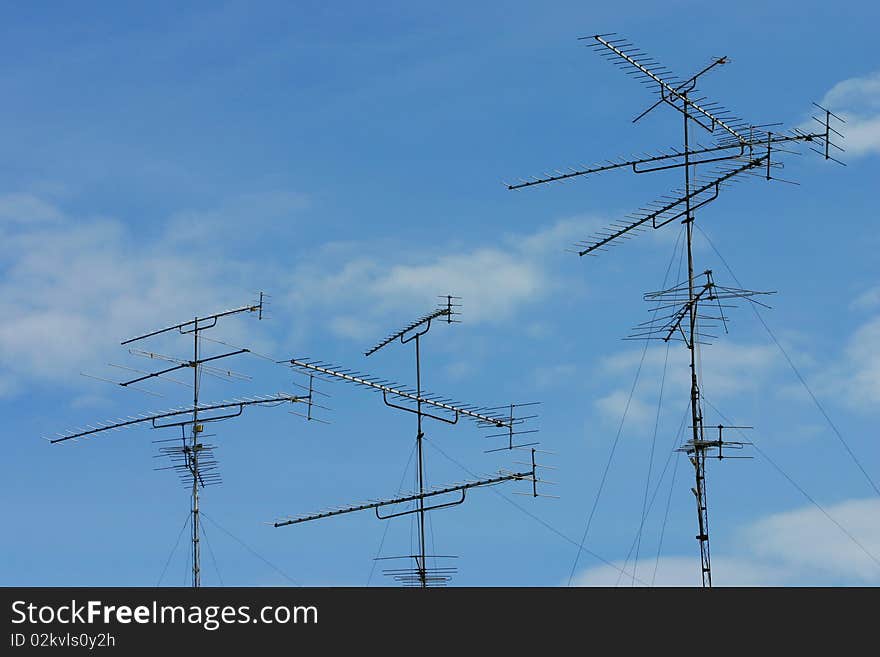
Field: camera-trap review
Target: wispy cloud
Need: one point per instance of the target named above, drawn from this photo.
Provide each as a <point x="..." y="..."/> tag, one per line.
<point x="249" y="218"/>
<point x="681" y="571"/>
<point x="73" y="287"/>
<point x="868" y="299"/>
<point x="27" y="209"/>
<point x="728" y="367"/>
<point x="613" y="405"/>
<point x="858" y="376"/>
<point x="805" y="542"/>
<point x="367" y="281"/>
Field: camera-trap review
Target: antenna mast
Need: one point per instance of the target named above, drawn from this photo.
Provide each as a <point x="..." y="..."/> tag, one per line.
<point x="443" y="410"/>
<point x="192" y="459"/>
<point x="738" y="149"/>
<point x="416" y="334"/>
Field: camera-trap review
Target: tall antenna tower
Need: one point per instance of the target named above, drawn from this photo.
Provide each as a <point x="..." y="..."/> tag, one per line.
<point x="192" y="459"/>
<point x="737" y="149"/>
<point x="427" y="406"/>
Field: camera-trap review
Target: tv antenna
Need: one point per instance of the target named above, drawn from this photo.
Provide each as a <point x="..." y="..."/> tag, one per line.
<point x="428" y="406"/>
<point x="736" y="149"/>
<point x="191" y="458"/>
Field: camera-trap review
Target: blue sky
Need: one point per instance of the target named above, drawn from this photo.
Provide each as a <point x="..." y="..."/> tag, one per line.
<point x="161" y="162"/>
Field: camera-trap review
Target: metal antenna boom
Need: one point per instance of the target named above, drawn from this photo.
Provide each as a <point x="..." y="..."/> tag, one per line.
<point x="463" y="488"/>
<point x="362" y="379"/>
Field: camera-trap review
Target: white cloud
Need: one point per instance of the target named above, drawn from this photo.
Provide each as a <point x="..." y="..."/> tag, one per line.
<point x="495" y="283"/>
<point x="352" y="327"/>
<point x="728" y="368"/>
<point x="558" y="237"/>
<point x="857" y="100"/>
<point x="613" y="406"/>
<point x="806" y="542"/>
<point x="560" y="374"/>
<point x="244" y="218"/>
<point x="862" y="134"/>
<point x="460" y="369"/>
<point x="860" y="375"/>
<point x="73" y="288"/>
<point x="862" y="92"/>
<point x="798" y="547"/>
<point x="851" y="376"/>
<point x="681" y="571"/>
<point x="870" y="298"/>
<point x="26" y="208"/>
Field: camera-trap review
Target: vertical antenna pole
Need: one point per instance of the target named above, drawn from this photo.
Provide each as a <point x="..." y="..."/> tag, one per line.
<point x="827" y="131"/>
<point x="699" y="457"/>
<point x="194" y="459"/>
<point x="422" y="565"/>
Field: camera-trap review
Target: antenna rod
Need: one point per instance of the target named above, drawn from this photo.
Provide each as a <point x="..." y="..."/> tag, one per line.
<point x="699" y="459"/>
<point x="419" y="436"/>
<point x="194" y="459"/>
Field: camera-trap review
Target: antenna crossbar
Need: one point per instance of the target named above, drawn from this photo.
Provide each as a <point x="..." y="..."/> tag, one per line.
<point x="191" y="325"/>
<point x="446" y="310"/>
<point x="666" y="88"/>
<point x="740" y="146"/>
<point x="119" y="424"/>
<point x="205" y="369"/>
<point x="190" y="363"/>
<point x="662" y="213"/>
<point x="475" y="413"/>
<point x="412" y="498"/>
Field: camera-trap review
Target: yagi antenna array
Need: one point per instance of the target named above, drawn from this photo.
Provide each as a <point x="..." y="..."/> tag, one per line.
<point x="688" y="311"/>
<point x="201" y="323"/>
<point x="480" y="414"/>
<point x="192" y="460"/>
<point x="668" y="208"/>
<point x="448" y="311"/>
<point x="424" y="574"/>
<point x="747" y="148"/>
<point x="647" y="70"/>
<point x="120" y="423"/>
<point x="414" y="497"/>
